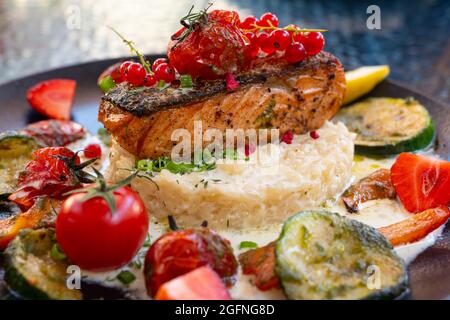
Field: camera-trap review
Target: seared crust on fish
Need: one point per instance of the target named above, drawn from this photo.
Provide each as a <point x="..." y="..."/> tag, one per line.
<point x="273" y="94"/>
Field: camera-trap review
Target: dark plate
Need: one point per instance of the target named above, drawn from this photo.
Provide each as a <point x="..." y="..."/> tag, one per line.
<point x="429" y="275"/>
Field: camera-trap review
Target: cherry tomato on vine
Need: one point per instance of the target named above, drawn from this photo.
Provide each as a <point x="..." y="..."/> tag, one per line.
<point x="97" y="239"/>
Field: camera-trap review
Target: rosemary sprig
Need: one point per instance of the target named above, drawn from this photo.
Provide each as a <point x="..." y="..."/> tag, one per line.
<point x="190" y="21"/>
<point x="130" y="44"/>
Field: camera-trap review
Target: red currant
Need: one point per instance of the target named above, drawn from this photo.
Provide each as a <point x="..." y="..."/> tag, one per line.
<point x="248" y="23"/>
<point x="149" y="80"/>
<point x="157" y="62"/>
<point x="268" y="19"/>
<point x="313" y="42"/>
<point x="165" y="72"/>
<point x="287" y="137"/>
<point x="314" y="134"/>
<point x="92" y="150"/>
<point x="249" y="149"/>
<point x="295" y="52"/>
<point x="265" y="43"/>
<point x="292" y="28"/>
<point x="280" y="39"/>
<point x="136" y="74"/>
<point x="123" y="69"/>
<point x="253" y="45"/>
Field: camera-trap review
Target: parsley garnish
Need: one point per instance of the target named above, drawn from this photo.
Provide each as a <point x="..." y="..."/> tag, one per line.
<point x="248" y="245"/>
<point x="126" y="277"/>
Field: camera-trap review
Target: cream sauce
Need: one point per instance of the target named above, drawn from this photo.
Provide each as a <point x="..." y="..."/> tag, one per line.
<point x="377" y="213"/>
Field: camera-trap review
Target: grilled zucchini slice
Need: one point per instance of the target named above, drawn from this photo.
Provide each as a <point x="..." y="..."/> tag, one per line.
<point x="15" y="152"/>
<point x="30" y="270"/>
<point x="386" y="126"/>
<point x="323" y="255"/>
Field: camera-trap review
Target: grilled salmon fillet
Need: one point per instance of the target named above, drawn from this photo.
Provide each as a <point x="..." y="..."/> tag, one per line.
<point x="274" y="94"/>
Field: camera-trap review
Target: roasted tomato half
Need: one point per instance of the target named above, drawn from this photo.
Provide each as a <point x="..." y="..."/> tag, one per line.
<point x="212" y="47"/>
<point x="179" y="252"/>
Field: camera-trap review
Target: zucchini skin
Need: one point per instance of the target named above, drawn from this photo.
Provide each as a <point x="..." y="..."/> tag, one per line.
<point x="371" y="237"/>
<point x="422" y="141"/>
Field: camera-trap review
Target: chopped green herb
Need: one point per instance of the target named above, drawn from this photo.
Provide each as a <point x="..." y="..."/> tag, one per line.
<point x="186" y="81"/>
<point x="104" y="136"/>
<point x="161" y="163"/>
<point x="248" y="245"/>
<point x="106" y="84"/>
<point x="264" y="120"/>
<point x="56" y="253"/>
<point x="161" y="84"/>
<point x="126" y="277"/>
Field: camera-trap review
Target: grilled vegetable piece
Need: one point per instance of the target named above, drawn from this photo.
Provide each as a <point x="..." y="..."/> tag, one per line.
<point x="31" y="271"/>
<point x="15" y="152"/>
<point x="416" y="227"/>
<point x="388" y="125"/>
<point x="200" y="284"/>
<point x="42" y="213"/>
<point x="260" y="262"/>
<point x="322" y="255"/>
<point x="273" y="94"/>
<point x="421" y="182"/>
<point x="377" y="185"/>
<point x="55" y="133"/>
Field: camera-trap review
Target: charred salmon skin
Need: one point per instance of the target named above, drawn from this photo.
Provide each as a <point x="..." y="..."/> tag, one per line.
<point x="274" y="94"/>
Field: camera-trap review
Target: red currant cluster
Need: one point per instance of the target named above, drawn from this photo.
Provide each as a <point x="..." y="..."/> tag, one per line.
<point x="138" y="75"/>
<point x="293" y="43"/>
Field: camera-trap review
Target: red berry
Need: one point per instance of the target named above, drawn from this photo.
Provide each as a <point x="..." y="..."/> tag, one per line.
<point x="268" y="20"/>
<point x="292" y="27"/>
<point x="253" y="44"/>
<point x="249" y="149"/>
<point x="248" y="23"/>
<point x="136" y="74"/>
<point x="123" y="69"/>
<point x="149" y="80"/>
<point x="314" y="134"/>
<point x="165" y="72"/>
<point x="92" y="150"/>
<point x="265" y="43"/>
<point x="313" y="42"/>
<point x="280" y="39"/>
<point x="295" y="52"/>
<point x="157" y="62"/>
<point x="288" y="137"/>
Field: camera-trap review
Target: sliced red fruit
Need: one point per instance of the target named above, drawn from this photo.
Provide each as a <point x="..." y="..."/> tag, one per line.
<point x="53" y="98"/>
<point x="200" y="284"/>
<point x="421" y="182"/>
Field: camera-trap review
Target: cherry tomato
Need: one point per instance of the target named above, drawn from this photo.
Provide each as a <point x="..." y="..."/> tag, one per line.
<point x="55" y="133"/>
<point x="51" y="172"/>
<point x="96" y="239"/>
<point x="180" y="252"/>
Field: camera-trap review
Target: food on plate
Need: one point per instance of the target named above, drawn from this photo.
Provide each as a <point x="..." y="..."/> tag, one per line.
<point x="388" y="125"/>
<point x="53" y="171"/>
<point x="416" y="227"/>
<point x="362" y="80"/>
<point x="32" y="271"/>
<point x="200" y="284"/>
<point x="55" y="133"/>
<point x="102" y="227"/>
<point x="299" y="208"/>
<point x="260" y="262"/>
<point x="53" y="98"/>
<point x="41" y="214"/>
<point x="377" y="185"/>
<point x="421" y="182"/>
<point x="179" y="252"/>
<point x="15" y="152"/>
<point x="238" y="195"/>
<point x="323" y="255"/>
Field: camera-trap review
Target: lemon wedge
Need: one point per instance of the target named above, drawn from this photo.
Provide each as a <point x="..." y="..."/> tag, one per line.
<point x="362" y="80"/>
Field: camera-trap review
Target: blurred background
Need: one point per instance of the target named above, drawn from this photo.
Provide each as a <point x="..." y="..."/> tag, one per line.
<point x="37" y="35"/>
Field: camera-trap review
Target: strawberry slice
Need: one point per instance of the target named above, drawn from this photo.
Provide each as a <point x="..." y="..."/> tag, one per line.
<point x="421" y="182"/>
<point x="53" y="98"/>
<point x="200" y="284"/>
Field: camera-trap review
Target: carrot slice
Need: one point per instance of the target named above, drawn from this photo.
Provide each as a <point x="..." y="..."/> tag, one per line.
<point x="416" y="227"/>
<point x="200" y="284"/>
